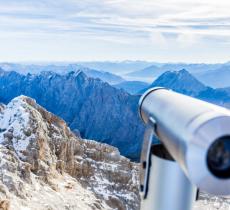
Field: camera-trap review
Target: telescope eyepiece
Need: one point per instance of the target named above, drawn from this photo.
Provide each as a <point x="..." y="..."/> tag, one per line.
<point x="218" y="158"/>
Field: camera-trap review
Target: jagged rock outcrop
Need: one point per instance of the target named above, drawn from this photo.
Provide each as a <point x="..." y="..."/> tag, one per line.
<point x="90" y="106"/>
<point x="43" y="165"/>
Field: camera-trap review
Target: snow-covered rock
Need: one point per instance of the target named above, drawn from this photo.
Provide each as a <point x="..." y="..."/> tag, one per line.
<point x="43" y="165"/>
<point x="209" y="202"/>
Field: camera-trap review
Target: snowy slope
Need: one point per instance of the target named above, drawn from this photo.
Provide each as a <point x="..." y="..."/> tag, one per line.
<point x="43" y="165"/>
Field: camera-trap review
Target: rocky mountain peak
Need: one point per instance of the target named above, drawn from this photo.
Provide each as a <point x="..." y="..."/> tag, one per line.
<point x="184" y="72"/>
<point x="43" y="165"/>
<point x="78" y="73"/>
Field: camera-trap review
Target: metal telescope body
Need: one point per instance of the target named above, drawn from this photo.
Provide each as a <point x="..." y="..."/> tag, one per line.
<point x="195" y="150"/>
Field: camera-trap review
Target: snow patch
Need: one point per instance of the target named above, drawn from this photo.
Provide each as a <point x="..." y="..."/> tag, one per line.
<point x="14" y="123"/>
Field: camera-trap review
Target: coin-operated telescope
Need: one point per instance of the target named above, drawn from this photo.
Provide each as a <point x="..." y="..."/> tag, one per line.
<point x="193" y="150"/>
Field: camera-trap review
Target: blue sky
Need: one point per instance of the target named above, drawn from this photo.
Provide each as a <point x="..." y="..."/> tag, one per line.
<point x="156" y="30"/>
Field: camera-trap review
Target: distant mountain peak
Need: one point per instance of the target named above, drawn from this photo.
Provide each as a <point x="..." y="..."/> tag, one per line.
<point x="77" y="73"/>
<point x="183" y="72"/>
<point x="180" y="81"/>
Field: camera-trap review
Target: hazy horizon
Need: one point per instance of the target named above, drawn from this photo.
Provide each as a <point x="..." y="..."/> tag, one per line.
<point x="105" y="61"/>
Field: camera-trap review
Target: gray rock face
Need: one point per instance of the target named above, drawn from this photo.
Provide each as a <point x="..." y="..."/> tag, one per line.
<point x="43" y="165"/>
<point x="97" y="110"/>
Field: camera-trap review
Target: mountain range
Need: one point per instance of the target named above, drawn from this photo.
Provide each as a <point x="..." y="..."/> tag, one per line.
<point x="216" y="78"/>
<point x="156" y="70"/>
<point x="94" y="109"/>
<point x="61" y="69"/>
<point x="206" y="73"/>
<point x="184" y="82"/>
<point x="91" y="107"/>
<point x="135" y="71"/>
<point x="118" y="67"/>
<point x="45" y="165"/>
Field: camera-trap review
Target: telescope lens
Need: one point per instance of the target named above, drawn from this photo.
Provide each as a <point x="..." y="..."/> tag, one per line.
<point x="218" y="158"/>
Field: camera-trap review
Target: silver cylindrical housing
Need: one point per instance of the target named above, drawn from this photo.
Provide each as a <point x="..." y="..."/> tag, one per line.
<point x="188" y="127"/>
<point x="169" y="188"/>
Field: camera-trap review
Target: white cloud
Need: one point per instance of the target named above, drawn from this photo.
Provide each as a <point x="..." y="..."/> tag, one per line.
<point x="118" y="24"/>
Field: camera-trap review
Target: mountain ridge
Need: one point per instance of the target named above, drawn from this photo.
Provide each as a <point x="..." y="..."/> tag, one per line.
<point x="90" y="106"/>
<point x="61" y="69"/>
<point x="184" y="82"/>
<point x="210" y="77"/>
<point x="206" y="73"/>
